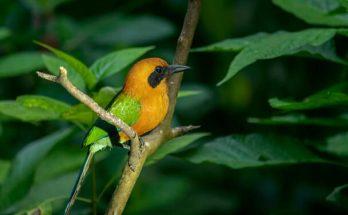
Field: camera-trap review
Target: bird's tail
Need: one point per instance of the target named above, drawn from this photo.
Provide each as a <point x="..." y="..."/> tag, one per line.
<point x="79" y="181"/>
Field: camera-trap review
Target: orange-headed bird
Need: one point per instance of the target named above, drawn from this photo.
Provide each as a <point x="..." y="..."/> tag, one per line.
<point x="142" y="104"/>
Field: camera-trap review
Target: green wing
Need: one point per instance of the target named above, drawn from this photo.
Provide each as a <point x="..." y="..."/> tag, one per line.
<point x="124" y="107"/>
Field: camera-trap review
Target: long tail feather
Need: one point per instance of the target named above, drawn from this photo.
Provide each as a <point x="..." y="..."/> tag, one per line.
<point x="79" y="182"/>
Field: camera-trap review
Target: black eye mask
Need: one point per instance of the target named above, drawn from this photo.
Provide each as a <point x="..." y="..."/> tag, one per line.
<point x="156" y="76"/>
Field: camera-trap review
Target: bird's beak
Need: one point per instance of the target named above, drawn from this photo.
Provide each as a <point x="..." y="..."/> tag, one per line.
<point x="177" y="68"/>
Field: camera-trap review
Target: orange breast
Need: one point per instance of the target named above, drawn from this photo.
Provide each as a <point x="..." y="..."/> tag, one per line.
<point x="154" y="108"/>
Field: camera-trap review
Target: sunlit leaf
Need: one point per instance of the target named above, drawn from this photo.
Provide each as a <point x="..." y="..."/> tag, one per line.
<point x="252" y="150"/>
<point x="116" y="61"/>
<point x="20" y="63"/>
<point x="78" y="66"/>
<point x="53" y="63"/>
<point x="174" y="146"/>
<point x="18" y="111"/>
<point x="276" y="45"/>
<point x="24" y="165"/>
<point x="315" y="11"/>
<point x="47" y="103"/>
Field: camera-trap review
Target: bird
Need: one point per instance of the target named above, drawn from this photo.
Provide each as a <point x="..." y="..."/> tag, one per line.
<point x="142" y="103"/>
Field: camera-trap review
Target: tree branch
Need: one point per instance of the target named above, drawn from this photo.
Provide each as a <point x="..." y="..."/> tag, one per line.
<point x="164" y="132"/>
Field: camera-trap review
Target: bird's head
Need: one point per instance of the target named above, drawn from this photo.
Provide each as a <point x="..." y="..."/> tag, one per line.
<point x="150" y="74"/>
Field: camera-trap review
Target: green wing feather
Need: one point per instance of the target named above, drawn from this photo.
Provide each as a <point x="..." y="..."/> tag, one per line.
<point x="124" y="107"/>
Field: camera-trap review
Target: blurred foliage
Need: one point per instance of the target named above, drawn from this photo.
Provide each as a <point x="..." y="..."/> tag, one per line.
<point x="273" y="136"/>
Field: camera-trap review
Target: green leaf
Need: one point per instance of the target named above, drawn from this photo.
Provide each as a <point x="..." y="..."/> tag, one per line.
<point x="253" y="150"/>
<point x="232" y="45"/>
<point x="186" y="93"/>
<point x="116" y="61"/>
<point x="339" y="194"/>
<point x="332" y="96"/>
<point x="24" y="165"/>
<point x="174" y="146"/>
<point x="4" y="169"/>
<point x="78" y="66"/>
<point x="47" y="103"/>
<point x="4" y="32"/>
<point x="320" y="12"/>
<point x="276" y="45"/>
<point x="300" y="119"/>
<point x="337" y="144"/>
<point x="18" y="111"/>
<point x="20" y="63"/>
<point x="53" y="63"/>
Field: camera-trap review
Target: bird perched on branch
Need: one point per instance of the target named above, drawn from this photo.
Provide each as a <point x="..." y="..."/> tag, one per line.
<point x="142" y="103"/>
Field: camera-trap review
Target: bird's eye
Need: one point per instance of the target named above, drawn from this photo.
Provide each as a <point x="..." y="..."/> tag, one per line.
<point x="158" y="69"/>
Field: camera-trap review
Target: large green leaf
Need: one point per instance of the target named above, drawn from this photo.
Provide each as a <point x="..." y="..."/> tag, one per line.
<point x="53" y="63"/>
<point x="24" y="165"/>
<point x="300" y="119"/>
<point x="276" y="45"/>
<point x="252" y="150"/>
<point x="44" y="102"/>
<point x="332" y="99"/>
<point x="174" y="146"/>
<point x="32" y="108"/>
<point x="78" y="66"/>
<point x="20" y="63"/>
<point x="18" y="111"/>
<point x="116" y="61"/>
<point x="322" y="12"/>
<point x="232" y="45"/>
